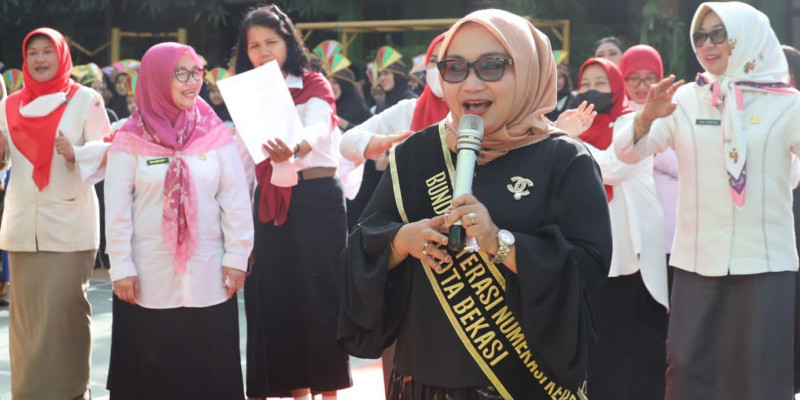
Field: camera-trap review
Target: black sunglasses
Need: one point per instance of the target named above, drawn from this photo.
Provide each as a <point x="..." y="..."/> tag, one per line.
<point x="717" y="36"/>
<point x="487" y="69"/>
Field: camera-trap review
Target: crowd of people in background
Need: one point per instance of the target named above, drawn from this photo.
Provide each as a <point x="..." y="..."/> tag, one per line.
<point x="633" y="232"/>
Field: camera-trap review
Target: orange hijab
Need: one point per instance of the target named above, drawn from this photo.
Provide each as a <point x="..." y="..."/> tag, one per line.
<point x="35" y="136"/>
<point x="535" y="70"/>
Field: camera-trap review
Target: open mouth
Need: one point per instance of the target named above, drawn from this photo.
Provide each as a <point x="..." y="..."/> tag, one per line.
<point x="477" y="106"/>
<point x="189" y="93"/>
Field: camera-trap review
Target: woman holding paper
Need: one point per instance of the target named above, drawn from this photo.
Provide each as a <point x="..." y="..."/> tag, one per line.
<point x="179" y="236"/>
<point x="50" y="131"/>
<point x="292" y="297"/>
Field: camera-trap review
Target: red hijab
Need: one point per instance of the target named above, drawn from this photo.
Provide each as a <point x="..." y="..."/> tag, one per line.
<point x="600" y="133"/>
<point x="429" y="109"/>
<point x="641" y="57"/>
<point x="35" y="136"/>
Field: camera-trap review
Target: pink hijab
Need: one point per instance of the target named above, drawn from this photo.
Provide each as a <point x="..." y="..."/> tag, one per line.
<point x="160" y="128"/>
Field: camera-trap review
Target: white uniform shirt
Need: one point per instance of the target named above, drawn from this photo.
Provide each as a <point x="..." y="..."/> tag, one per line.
<point x="62" y="217"/>
<point x="134" y="198"/>
<point x="396" y="118"/>
<point x="714" y="237"/>
<point x="318" y="131"/>
<point x="665" y="176"/>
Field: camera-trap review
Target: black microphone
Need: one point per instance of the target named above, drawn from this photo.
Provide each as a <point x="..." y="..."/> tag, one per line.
<point x="468" y="145"/>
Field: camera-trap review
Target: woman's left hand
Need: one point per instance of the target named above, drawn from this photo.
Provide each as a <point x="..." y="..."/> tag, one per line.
<point x="575" y="121"/>
<point x="476" y="220"/>
<point x="232" y="280"/>
<point x="64" y="147"/>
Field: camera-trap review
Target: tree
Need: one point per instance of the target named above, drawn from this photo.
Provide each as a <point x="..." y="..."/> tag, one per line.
<point x="661" y="29"/>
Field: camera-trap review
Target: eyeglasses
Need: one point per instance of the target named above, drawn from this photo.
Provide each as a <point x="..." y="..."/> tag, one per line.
<point x="717" y="36"/>
<point x="487" y="69"/>
<point x="635" y="80"/>
<point x="183" y="74"/>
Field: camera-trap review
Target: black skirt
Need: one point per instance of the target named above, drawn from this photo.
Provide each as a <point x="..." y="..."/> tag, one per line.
<point x="292" y="296"/>
<point x="731" y="337"/>
<point x="630" y="359"/>
<point x="178" y="353"/>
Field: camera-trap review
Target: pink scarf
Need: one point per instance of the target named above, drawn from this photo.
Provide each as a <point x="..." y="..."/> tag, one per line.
<point x="160" y="128"/>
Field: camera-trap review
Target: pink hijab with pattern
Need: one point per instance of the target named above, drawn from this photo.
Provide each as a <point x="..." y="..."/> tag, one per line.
<point x="162" y="129"/>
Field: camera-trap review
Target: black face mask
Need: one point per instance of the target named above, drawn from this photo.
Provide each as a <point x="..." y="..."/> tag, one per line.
<point x="602" y="101"/>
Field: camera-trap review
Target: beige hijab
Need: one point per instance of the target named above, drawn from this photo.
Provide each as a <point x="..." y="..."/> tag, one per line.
<point x="535" y="93"/>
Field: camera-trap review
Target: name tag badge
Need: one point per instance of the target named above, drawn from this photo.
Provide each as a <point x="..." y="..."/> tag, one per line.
<point x="155" y="161"/>
<point x="708" y="122"/>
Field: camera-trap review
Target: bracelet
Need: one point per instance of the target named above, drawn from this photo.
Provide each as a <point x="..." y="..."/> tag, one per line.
<point x="637" y="125"/>
<point x="297" y="150"/>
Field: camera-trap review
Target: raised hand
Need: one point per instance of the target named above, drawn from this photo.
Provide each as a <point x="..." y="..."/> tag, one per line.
<point x="379" y="144"/>
<point x="659" y="100"/>
<point x="575" y="121"/>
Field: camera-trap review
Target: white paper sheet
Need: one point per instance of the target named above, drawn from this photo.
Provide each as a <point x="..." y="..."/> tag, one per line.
<point x="262" y="109"/>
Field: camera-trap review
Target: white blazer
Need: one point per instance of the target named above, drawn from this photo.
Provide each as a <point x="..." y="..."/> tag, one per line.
<point x="62" y="217"/>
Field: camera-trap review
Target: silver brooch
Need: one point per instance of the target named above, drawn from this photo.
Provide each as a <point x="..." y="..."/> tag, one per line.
<point x="519" y="187"/>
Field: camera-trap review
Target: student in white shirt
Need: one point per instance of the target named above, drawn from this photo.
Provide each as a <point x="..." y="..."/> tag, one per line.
<point x="292" y="296"/>
<point x="50" y="133"/>
<point x="734" y="132"/>
<point x="179" y="234"/>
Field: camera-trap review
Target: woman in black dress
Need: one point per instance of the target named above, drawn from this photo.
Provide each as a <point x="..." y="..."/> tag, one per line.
<point x="511" y="320"/>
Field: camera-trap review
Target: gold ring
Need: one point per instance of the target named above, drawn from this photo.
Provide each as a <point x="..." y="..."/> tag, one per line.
<point x="471" y="217"/>
<point x="424" y="248"/>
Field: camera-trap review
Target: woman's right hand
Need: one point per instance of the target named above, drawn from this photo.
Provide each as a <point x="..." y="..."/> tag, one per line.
<point x="421" y="240"/>
<point x="277" y="150"/>
<point x="659" y="101"/>
<point x="127" y="289"/>
<point x="379" y="144"/>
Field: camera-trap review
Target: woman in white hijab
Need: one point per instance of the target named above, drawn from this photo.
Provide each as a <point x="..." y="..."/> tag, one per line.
<point x="734" y="131"/>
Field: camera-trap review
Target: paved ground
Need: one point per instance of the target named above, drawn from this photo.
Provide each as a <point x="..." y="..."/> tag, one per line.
<point x="366" y="376"/>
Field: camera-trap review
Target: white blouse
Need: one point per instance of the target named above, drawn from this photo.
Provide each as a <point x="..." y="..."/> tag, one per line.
<point x="396" y="118"/>
<point x="62" y="217"/>
<point x="318" y="131"/>
<point x="636" y="220"/>
<point x="134" y="198"/>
